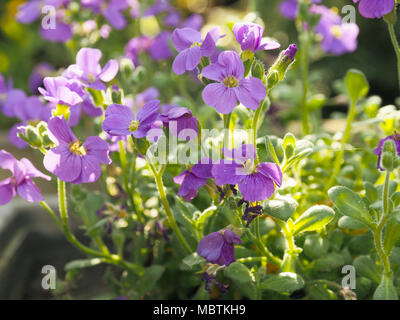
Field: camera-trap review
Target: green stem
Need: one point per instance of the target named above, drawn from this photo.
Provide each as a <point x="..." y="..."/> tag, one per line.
<point x="305" y="49"/>
<point x="378" y="231"/>
<point x="289" y="261"/>
<point x="262" y="248"/>
<point x="396" y="47"/>
<point x="339" y="158"/>
<point x="168" y="211"/>
<point x="106" y="256"/>
<point x="254" y="127"/>
<point x="227" y="121"/>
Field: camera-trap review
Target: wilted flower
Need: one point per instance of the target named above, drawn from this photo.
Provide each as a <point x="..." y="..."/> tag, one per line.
<point x="231" y="86"/>
<point x="395" y="137"/>
<point x="71" y="160"/>
<point x="217" y="247"/>
<point x="192" y="179"/>
<point x="374" y="8"/>
<point x="21" y="182"/>
<point x="255" y="182"/>
<point x="191" y="47"/>
<point x="121" y="121"/>
<point x="249" y="36"/>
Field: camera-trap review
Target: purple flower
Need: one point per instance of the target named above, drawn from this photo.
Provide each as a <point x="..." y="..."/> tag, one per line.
<point x="59" y="90"/>
<point x="111" y="10"/>
<point x="158" y="7"/>
<point x="192" y="179"/>
<point x="249" y="36"/>
<point x="61" y="33"/>
<point x="395" y="137"/>
<point x="338" y="37"/>
<point x="159" y="48"/>
<point x="88" y="70"/>
<point x="291" y="51"/>
<point x="21" y="182"/>
<point x="191" y="47"/>
<point x="145" y="96"/>
<point x="41" y="71"/>
<point x="172" y="19"/>
<point x="9" y="97"/>
<point x="289" y="8"/>
<point x="71" y="160"/>
<point x="374" y="8"/>
<point x="178" y="119"/>
<point x="217" y="247"/>
<point x="256" y="182"/>
<point x="136" y="46"/>
<point x="121" y="121"/>
<point x="231" y="86"/>
<point x="194" y="21"/>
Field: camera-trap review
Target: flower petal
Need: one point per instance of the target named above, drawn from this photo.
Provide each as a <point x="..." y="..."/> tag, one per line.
<point x="117" y="120"/>
<point x="7" y="191"/>
<point x="256" y="187"/>
<point x="59" y="132"/>
<point x="91" y="170"/>
<point x="29" y="191"/>
<point x="251" y="92"/>
<point x="272" y="171"/>
<point x="220" y="97"/>
<point x="210" y="246"/>
<point x="109" y="71"/>
<point x="183" y="38"/>
<point x="227" y="173"/>
<point x="64" y="164"/>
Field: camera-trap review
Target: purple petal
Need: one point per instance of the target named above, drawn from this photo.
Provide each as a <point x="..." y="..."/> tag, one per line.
<point x="31" y="171"/>
<point x="220" y="97"/>
<point x="98" y="148"/>
<point x="29" y="191"/>
<point x="114" y="17"/>
<point x="62" y="33"/>
<point x="256" y="187"/>
<point x="88" y="61"/>
<point x="184" y="38"/>
<point x="7" y="161"/>
<point x="210" y="246"/>
<point x="90" y="172"/>
<point x="272" y="171"/>
<point x="109" y="71"/>
<point x="7" y="191"/>
<point x="190" y="186"/>
<point x="59" y="132"/>
<point x="117" y="120"/>
<point x="209" y="44"/>
<point x="241" y="154"/>
<point x="231" y="237"/>
<point x="14" y="138"/>
<point x="251" y="92"/>
<point x="227" y="173"/>
<point x="63" y="163"/>
<point x="28" y="12"/>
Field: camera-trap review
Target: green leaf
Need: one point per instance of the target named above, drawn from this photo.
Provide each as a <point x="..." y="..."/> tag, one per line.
<point x="350" y="223"/>
<point x="385" y="290"/>
<point x="192" y="262"/>
<point x="314" y="218"/>
<point x="356" y="84"/>
<point x="371" y="191"/>
<point x="281" y="207"/>
<point x="201" y="218"/>
<point x="82" y="263"/>
<point x="315" y="246"/>
<point x="367" y="268"/>
<point x="283" y="282"/>
<point x="350" y="204"/>
<point x="150" y="278"/>
<point x="392" y="234"/>
<point x="241" y="277"/>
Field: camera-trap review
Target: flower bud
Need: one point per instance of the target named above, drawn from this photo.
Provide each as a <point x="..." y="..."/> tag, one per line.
<point x="282" y="64"/>
<point x="257" y="70"/>
<point x="30" y="135"/>
<point x="388" y="155"/>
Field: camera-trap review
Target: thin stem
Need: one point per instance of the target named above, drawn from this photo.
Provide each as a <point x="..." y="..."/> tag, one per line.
<point x="378" y="231"/>
<point x="396" y="47"/>
<point x="339" y="158"/>
<point x="254" y="127"/>
<point x="227" y="121"/>
<point x="51" y="212"/>
<point x="168" y="211"/>
<point x="305" y="49"/>
<point x="290" y="252"/>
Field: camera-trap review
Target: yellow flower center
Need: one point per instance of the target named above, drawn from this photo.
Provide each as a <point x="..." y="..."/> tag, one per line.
<point x="134" y="126"/>
<point x="195" y="44"/>
<point x="77" y="148"/>
<point x="188" y="167"/>
<point x="231" y="82"/>
<point x="336" y="31"/>
<point x="248" y="166"/>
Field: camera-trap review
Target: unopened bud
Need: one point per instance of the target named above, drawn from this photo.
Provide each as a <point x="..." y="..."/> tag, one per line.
<point x="257" y="70"/>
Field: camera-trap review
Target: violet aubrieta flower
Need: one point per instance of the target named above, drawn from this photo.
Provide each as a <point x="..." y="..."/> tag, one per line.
<point x="337" y="37"/>
<point x="249" y="36"/>
<point x="121" y="121"/>
<point x="88" y="70"/>
<point x="192" y="179"/>
<point x="136" y="46"/>
<point x="38" y="74"/>
<point x="180" y="119"/>
<point x="231" y="85"/>
<point x="9" y="97"/>
<point x="374" y="8"/>
<point x="71" y="160"/>
<point x="255" y="182"/>
<point x="159" y="48"/>
<point x="218" y="247"/>
<point x="158" y="7"/>
<point x="289" y="8"/>
<point x="145" y="96"/>
<point x="21" y="181"/>
<point x="191" y="47"/>
<point x="59" y="90"/>
<point x="395" y="137"/>
<point x="110" y="9"/>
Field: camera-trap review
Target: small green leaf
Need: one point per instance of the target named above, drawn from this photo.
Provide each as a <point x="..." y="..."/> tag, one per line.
<point x="350" y="223"/>
<point x="281" y="207"/>
<point x="385" y="290"/>
<point x="283" y="282"/>
<point x="241" y="277"/>
<point x="192" y="262"/>
<point x="350" y="204"/>
<point x="314" y="218"/>
<point x="367" y="268"/>
<point x="392" y="234"/>
<point x="356" y="84"/>
<point x="150" y="278"/>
